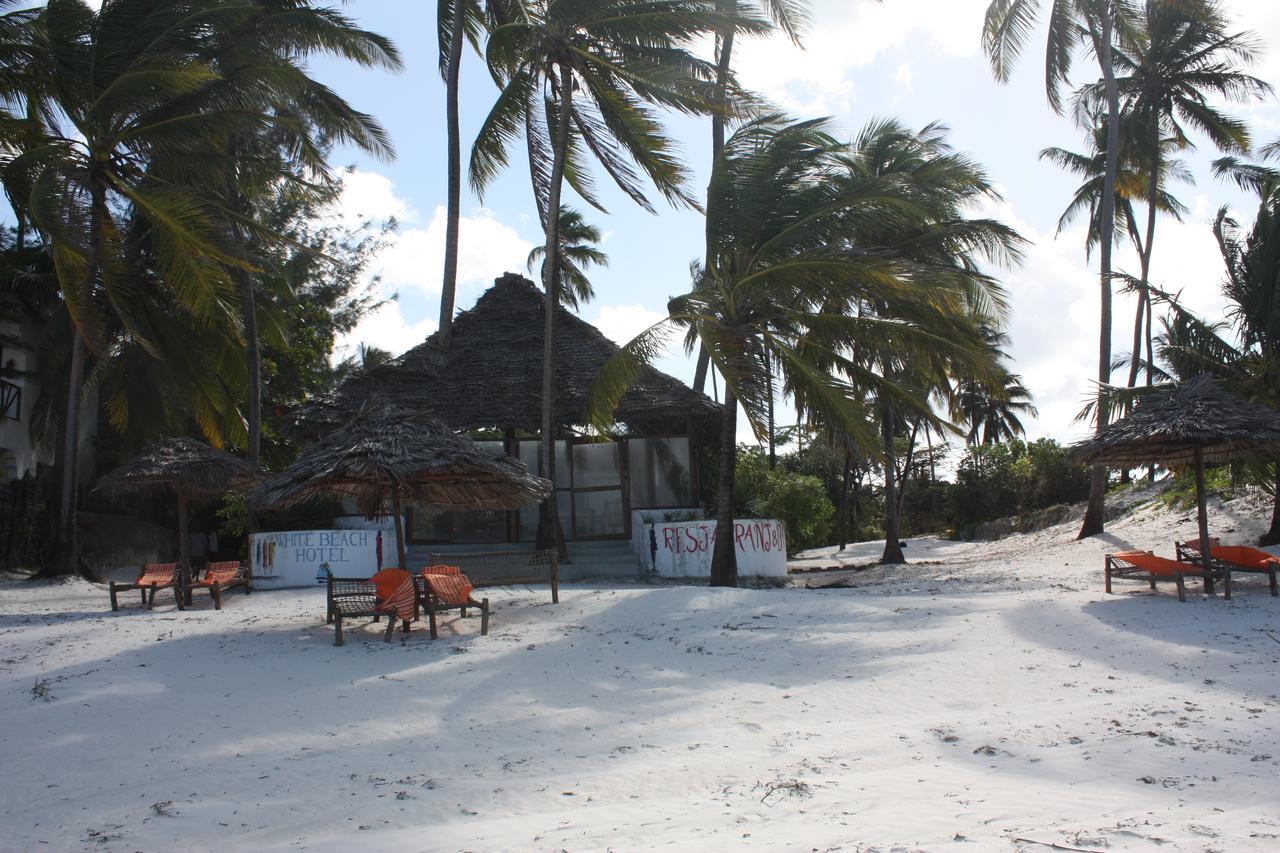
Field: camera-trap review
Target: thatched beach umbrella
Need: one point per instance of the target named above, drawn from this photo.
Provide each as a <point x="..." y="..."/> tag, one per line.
<point x="186" y="468"/>
<point x="1194" y="423"/>
<point x="386" y="452"/>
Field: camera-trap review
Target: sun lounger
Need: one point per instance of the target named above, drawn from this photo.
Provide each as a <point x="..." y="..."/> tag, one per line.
<point x="390" y="593"/>
<point x="153" y="577"/>
<point x="220" y="577"/>
<point x="1145" y="566"/>
<point x="1229" y="559"/>
<point x="444" y="588"/>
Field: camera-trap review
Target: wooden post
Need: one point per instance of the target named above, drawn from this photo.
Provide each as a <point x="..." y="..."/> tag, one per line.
<point x="1203" y="518"/>
<point x="395" y="508"/>
<point x="184" y="549"/>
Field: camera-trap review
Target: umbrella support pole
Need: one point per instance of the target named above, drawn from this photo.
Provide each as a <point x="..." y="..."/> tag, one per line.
<point x="1202" y="518"/>
<point x="184" y="549"/>
<point x="399" y="518"/>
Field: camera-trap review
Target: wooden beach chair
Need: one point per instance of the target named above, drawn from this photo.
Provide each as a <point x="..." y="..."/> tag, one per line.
<point x="1229" y="559"/>
<point x="220" y="577"/>
<point x="1145" y="566"/>
<point x="445" y="588"/>
<point x="153" y="577"/>
<point x="390" y="593"/>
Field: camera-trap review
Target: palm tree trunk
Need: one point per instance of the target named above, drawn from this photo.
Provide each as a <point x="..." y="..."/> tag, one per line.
<point x="906" y="467"/>
<point x="724" y="556"/>
<point x="248" y="308"/>
<point x="67" y="560"/>
<point x="1144" y="295"/>
<point x="1094" y="519"/>
<point x="773" y="443"/>
<point x="449" y="286"/>
<point x="844" y="499"/>
<point x="1272" y="536"/>
<point x="892" y="547"/>
<point x="184" y="546"/>
<point x="724" y="59"/>
<point x="550" y="535"/>
<point x="397" y="509"/>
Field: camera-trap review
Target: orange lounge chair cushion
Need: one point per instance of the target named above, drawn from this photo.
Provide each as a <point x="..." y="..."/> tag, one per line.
<point x="441" y="570"/>
<point x="1149" y="562"/>
<point x="221" y="573"/>
<point x="160" y="574"/>
<point x="450" y="590"/>
<point x="1243" y="555"/>
<point x="396" y="593"/>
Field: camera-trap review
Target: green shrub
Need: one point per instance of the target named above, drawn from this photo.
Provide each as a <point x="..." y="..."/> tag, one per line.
<point x="799" y="501"/>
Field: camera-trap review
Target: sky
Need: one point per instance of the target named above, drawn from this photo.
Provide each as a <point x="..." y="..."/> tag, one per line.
<point x="916" y="60"/>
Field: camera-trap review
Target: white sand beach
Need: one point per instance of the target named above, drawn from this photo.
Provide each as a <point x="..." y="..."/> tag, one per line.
<point x="988" y="697"/>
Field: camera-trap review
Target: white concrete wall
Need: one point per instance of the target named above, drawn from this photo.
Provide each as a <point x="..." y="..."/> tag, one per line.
<point x="642" y="521"/>
<point x="292" y="558"/>
<point x="685" y="547"/>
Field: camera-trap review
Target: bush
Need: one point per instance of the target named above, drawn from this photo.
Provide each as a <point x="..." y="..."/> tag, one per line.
<point x="799" y="501"/>
<point x="996" y="481"/>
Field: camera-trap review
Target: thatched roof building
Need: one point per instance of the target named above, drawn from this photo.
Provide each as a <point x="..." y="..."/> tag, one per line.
<point x="490" y="377"/>
<point x="181" y="465"/>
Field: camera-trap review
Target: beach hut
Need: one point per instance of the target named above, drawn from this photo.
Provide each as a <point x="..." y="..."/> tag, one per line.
<point x="387" y="454"/>
<point x="488" y="383"/>
<point x="1191" y="424"/>
<point x="187" y="469"/>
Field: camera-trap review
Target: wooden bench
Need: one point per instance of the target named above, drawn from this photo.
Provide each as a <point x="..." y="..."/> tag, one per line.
<point x="506" y="568"/>
<point x="152" y="578"/>
<point x="354" y="598"/>
<point x="220" y="577"/>
<point x="1229" y="559"/>
<point x="1145" y="566"/>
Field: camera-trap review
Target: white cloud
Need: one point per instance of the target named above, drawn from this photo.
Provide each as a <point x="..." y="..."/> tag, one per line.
<point x="904" y="76"/>
<point x="413" y="258"/>
<point x="621" y="323"/>
<point x="817" y="78"/>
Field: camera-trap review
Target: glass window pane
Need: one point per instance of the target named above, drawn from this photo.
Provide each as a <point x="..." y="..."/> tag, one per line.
<point x="494" y="447"/>
<point x="595" y="465"/>
<point x="660" y="472"/>
<point x="562" y="465"/>
<point x="481" y="526"/>
<point x="598" y="513"/>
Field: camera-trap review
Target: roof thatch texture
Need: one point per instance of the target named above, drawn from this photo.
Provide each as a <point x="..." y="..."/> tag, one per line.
<point x="1168" y="426"/>
<point x="491" y="375"/>
<point x="181" y="464"/>
<point x="386" y="444"/>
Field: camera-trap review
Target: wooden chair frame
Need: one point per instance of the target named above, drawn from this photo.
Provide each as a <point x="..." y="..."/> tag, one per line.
<point x="355" y="597"/>
<point x="1118" y="567"/>
<point x="1189" y="552"/>
<point x="243" y="578"/>
<point x="434" y="604"/>
<point x="148" y="590"/>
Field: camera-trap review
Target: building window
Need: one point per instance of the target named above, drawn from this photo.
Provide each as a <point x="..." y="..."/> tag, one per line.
<point x="660" y="472"/>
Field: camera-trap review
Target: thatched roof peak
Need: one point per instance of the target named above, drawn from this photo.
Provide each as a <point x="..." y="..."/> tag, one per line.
<point x="1167" y="426"/>
<point x="490" y="375"/>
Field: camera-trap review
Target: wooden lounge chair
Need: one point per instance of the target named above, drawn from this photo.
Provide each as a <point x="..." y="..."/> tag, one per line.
<point x="1229" y="559"/>
<point x="443" y="588"/>
<point x="220" y="577"/>
<point x="153" y="577"/>
<point x="390" y="593"/>
<point x="1145" y="566"/>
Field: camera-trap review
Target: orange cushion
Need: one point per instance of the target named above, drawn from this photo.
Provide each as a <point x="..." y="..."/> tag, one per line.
<point x="1149" y="562"/>
<point x="221" y="573"/>
<point x="451" y="590"/>
<point x="441" y="570"/>
<point x="1243" y="555"/>
<point x="161" y="574"/>
<point x="396" y="592"/>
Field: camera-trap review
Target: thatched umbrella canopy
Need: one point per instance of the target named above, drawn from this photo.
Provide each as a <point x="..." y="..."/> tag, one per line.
<point x="490" y="375"/>
<point x="1194" y="423"/>
<point x="387" y="451"/>
<point x="186" y="468"/>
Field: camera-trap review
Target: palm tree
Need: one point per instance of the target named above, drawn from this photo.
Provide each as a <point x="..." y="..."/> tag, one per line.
<point x="780" y="282"/>
<point x="578" y="241"/>
<point x="943" y="249"/>
<point x="1130" y="185"/>
<point x="260" y="57"/>
<point x="455" y="21"/>
<point x="123" y="90"/>
<point x="790" y="16"/>
<point x="1178" y="57"/>
<point x="591" y="72"/>
<point x="1074" y="24"/>
<point x="992" y="413"/>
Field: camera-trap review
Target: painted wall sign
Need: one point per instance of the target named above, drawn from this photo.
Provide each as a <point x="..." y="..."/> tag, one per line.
<point x="684" y="548"/>
<point x="292" y="558"/>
